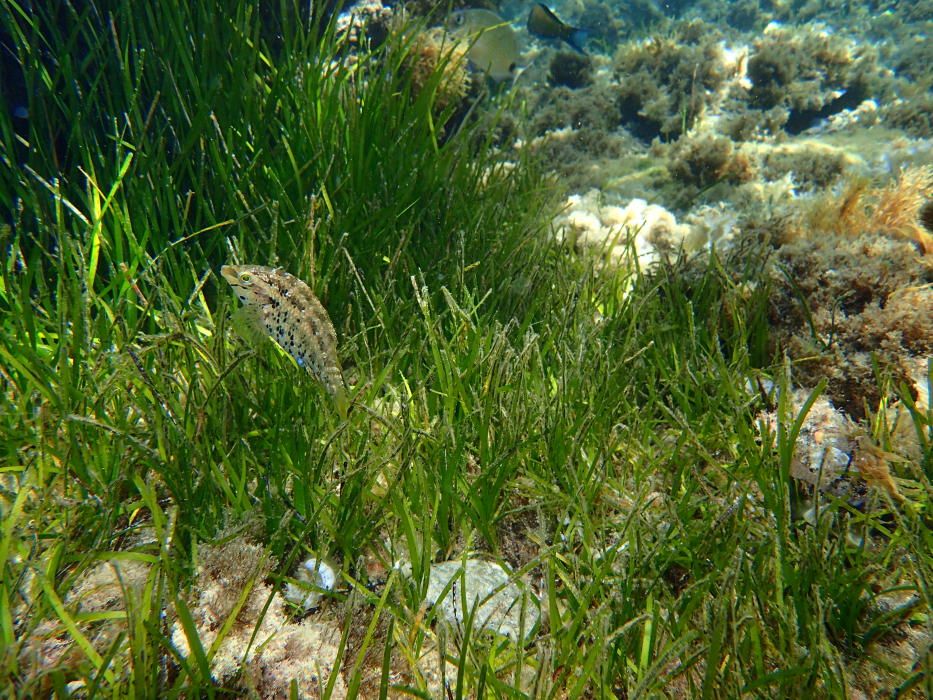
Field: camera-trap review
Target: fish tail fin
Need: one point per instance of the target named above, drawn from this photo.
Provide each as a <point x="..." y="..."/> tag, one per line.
<point x="333" y="381"/>
<point x="337" y="387"/>
<point x="342" y="401"/>
<point x="577" y="38"/>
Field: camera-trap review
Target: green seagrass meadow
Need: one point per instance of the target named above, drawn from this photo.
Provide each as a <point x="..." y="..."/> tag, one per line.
<point x="592" y="430"/>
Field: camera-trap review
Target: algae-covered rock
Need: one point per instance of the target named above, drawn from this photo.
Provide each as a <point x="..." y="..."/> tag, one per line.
<point x="575" y="132"/>
<point x="571" y="70"/>
<point x="813" y="74"/>
<point x="824" y="449"/>
<point x="843" y="308"/>
<point x="703" y="160"/>
<point x="601" y="22"/>
<point x="263" y="652"/>
<point x="913" y="116"/>
<point x="812" y="165"/>
<point x="666" y="83"/>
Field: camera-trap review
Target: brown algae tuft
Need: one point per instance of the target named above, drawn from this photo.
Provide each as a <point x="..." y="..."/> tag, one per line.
<point x="893" y="210"/>
<point x="432" y="51"/>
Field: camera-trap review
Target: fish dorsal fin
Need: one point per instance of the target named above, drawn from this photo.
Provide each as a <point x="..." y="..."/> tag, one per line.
<point x="549" y="12"/>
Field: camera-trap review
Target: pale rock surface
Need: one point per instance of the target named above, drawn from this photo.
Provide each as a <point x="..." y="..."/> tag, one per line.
<point x="272" y="649"/>
<point x="588" y="222"/>
<point x="500" y="598"/>
<point x="824" y="448"/>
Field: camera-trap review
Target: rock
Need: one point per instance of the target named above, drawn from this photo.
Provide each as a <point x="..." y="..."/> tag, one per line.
<point x="281" y="658"/>
<point x="315" y="577"/>
<point x="500" y="598"/>
<point x="823" y="456"/>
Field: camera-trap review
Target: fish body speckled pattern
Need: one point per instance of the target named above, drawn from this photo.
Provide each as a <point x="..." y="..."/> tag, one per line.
<point x="286" y="309"/>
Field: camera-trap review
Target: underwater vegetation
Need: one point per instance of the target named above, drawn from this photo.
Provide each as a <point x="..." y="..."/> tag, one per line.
<point x="665" y="84"/>
<point x="638" y="377"/>
<point x="811" y="75"/>
<point x="894" y="209"/>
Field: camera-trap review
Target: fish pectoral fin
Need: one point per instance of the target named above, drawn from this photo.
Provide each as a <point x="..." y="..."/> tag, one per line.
<point x="342" y="402"/>
<point x="245" y="322"/>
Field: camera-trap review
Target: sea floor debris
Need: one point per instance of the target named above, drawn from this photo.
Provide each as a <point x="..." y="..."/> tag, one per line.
<point x="261" y="649"/>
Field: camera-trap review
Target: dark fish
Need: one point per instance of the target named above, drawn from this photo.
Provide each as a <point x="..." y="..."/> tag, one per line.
<point x="545" y="24"/>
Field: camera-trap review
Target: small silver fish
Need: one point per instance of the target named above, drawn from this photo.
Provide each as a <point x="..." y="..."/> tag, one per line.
<point x="494" y="46"/>
<point x="284" y="307"/>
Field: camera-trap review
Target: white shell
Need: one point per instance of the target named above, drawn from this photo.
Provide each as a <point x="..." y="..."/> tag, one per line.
<point x="315" y="577"/>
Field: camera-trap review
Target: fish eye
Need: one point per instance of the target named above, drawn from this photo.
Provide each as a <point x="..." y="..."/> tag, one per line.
<point x="245" y="277"/>
<point x="459" y="18"/>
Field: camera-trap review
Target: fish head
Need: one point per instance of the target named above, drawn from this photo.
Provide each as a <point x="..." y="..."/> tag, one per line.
<point x="493" y="45"/>
<point x="457" y="20"/>
<point x="251" y="283"/>
<point x="473" y="21"/>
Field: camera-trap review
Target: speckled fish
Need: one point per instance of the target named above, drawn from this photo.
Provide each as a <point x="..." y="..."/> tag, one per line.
<point x="544" y="23"/>
<point x="494" y="47"/>
<point x="284" y="307"/>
